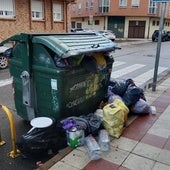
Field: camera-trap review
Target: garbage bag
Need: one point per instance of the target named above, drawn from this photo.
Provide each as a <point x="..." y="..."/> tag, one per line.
<point x="114" y="117"/>
<point x="94" y="122"/>
<point x="39" y="141"/>
<point x="74" y="121"/>
<point x="90" y="123"/>
<point x="141" y="107"/>
<point x="132" y="95"/>
<point x="119" y="87"/>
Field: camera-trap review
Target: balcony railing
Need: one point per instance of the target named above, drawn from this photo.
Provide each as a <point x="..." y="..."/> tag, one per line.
<point x="153" y="10"/>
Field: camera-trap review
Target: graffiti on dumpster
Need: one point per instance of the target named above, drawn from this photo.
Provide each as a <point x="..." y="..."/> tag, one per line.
<point x="75" y="102"/>
<point x="55" y="103"/>
<point x="78" y="86"/>
<point x="91" y="85"/>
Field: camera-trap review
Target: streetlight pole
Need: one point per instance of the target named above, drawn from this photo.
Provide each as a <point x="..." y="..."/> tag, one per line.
<point x="158" y="46"/>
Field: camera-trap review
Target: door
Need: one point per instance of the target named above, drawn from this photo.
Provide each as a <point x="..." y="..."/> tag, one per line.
<point x="136" y="29"/>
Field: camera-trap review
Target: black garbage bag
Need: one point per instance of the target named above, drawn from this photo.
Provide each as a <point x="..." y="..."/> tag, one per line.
<point x="38" y="142"/>
<point x="94" y="123"/>
<point x="119" y="87"/>
<point x="132" y="95"/>
<point x="89" y="64"/>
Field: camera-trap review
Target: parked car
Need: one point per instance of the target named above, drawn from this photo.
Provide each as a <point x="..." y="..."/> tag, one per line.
<point x="168" y="34"/>
<point x="3" y="58"/>
<point x="81" y="30"/>
<point x="108" y="34"/>
<point x="155" y="35"/>
<point x="77" y="30"/>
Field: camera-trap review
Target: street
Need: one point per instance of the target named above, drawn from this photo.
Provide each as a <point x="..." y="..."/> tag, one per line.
<point x="134" y="61"/>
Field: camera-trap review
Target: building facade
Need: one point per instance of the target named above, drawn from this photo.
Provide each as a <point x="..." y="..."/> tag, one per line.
<point x="126" y="18"/>
<point x="40" y="16"/>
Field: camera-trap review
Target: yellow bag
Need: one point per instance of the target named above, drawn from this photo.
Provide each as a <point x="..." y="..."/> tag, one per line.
<point x="101" y="62"/>
<point x="114" y="117"/>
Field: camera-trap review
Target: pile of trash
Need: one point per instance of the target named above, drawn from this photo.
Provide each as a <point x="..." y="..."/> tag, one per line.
<point x="132" y="96"/>
<point x="109" y="119"/>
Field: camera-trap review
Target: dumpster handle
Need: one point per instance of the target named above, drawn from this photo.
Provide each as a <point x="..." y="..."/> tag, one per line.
<point x="95" y="46"/>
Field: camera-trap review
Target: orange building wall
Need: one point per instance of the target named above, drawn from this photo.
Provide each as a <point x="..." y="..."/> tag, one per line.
<point x="24" y="23"/>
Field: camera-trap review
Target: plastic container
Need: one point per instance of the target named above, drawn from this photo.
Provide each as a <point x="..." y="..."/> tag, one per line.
<point x="104" y="140"/>
<point x="153" y="110"/>
<point x="93" y="148"/>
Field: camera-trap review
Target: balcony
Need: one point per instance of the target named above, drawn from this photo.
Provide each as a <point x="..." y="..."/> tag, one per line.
<point x="153" y="10"/>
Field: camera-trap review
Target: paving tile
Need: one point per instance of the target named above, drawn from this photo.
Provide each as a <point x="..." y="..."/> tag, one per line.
<point x="164" y="157"/>
<point x="166" y="114"/>
<point x="154" y="140"/>
<point x="122" y="168"/>
<point x="77" y="159"/>
<point x="160" y="166"/>
<point x="132" y="133"/>
<point x="62" y="166"/>
<point x="161" y="128"/>
<point x="157" y="130"/>
<point x="100" y="164"/>
<point x="167" y="145"/>
<point x="139" y="127"/>
<point x="147" y="151"/>
<point x="130" y="119"/>
<point x="115" y="155"/>
<point x="135" y="162"/>
<point x="163" y="124"/>
<point x="124" y="143"/>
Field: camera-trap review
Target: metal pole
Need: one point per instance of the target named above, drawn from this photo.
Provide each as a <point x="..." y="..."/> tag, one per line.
<point x="158" y="46"/>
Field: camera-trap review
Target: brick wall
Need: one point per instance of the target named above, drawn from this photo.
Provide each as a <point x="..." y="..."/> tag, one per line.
<point x="23" y="22"/>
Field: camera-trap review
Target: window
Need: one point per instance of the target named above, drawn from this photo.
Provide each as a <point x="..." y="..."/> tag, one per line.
<point x="97" y="22"/>
<point x="122" y="3"/>
<point x="87" y="5"/>
<point x="104" y="6"/>
<point x="73" y="24"/>
<point x="7" y="9"/>
<point x="73" y="7"/>
<point x="57" y="11"/>
<point x="79" y="25"/>
<point x="153" y="23"/>
<point x="135" y="3"/>
<point x="92" y="4"/>
<point x="153" y="8"/>
<point x="37" y="8"/>
<point x="79" y="8"/>
<point x="157" y="23"/>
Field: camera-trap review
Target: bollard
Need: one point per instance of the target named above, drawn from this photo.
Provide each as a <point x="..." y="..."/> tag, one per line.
<point x="1" y="141"/>
<point x="15" y="152"/>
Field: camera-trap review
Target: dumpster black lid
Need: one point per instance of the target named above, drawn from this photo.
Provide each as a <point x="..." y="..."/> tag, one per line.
<point x="66" y="45"/>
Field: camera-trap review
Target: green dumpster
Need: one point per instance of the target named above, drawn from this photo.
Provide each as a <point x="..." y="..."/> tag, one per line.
<point x="59" y="75"/>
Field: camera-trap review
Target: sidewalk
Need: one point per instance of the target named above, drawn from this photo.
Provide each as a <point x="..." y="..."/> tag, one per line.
<point x="144" y="144"/>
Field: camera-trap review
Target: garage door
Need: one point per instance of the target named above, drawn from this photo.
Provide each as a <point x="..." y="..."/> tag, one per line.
<point x="136" y="29"/>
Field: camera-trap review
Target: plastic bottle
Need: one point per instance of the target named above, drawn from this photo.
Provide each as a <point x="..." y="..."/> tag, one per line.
<point x="93" y="148"/>
<point x="104" y="140"/>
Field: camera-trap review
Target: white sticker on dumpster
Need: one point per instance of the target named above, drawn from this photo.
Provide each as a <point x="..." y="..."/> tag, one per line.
<point x="54" y="84"/>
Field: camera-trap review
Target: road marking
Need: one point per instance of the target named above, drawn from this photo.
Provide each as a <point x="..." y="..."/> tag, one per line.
<point x="145" y="77"/>
<point x="118" y="63"/>
<point x="139" y="80"/>
<point x="5" y="82"/>
<point x="125" y="70"/>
